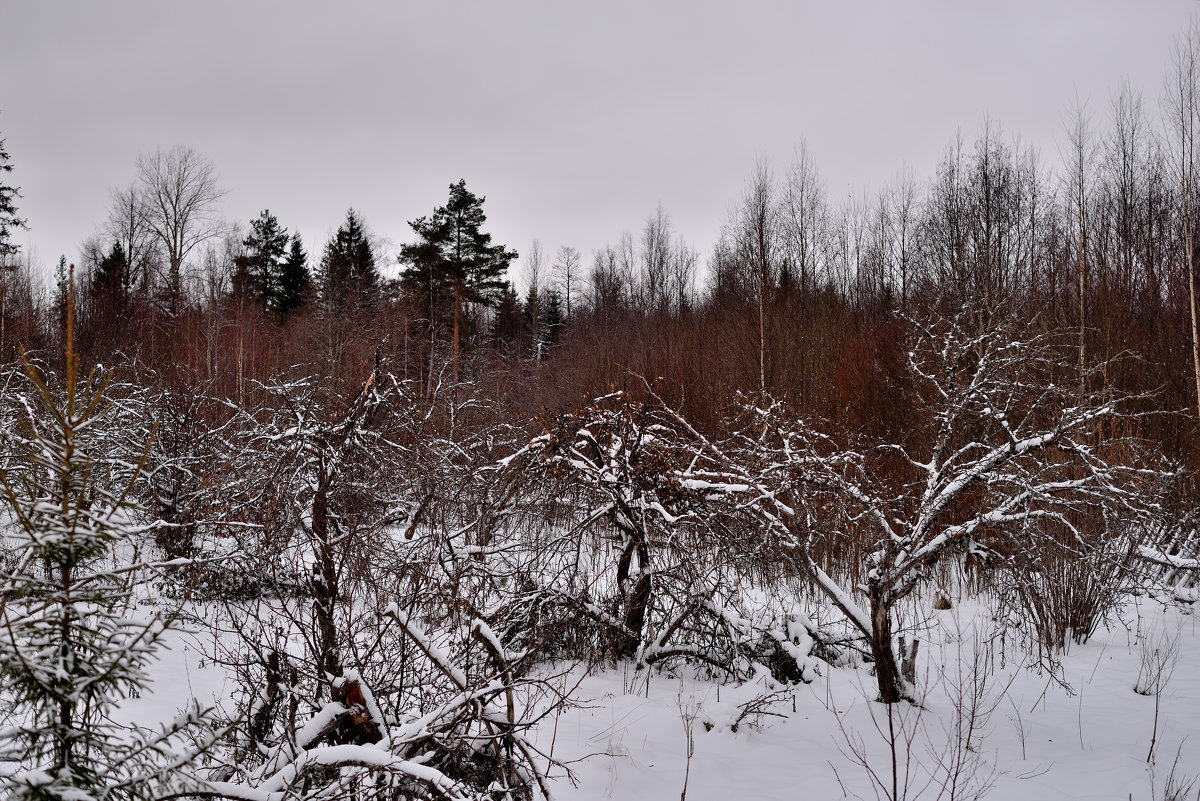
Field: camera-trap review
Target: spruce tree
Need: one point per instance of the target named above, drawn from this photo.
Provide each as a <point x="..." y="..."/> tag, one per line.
<point x="509" y="320"/>
<point x="111" y="307"/>
<point x="61" y="290"/>
<point x="534" y="312"/>
<point x="112" y="278"/>
<point x="349" y="277"/>
<point x="294" y="280"/>
<point x="453" y="262"/>
<point x="266" y="246"/>
<point x="73" y="643"/>
<point x="9" y="221"/>
<point x="552" y="322"/>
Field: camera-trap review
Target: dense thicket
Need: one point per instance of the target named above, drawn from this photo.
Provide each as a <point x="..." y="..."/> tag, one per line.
<point x="803" y="297"/>
<point x="402" y="489"/>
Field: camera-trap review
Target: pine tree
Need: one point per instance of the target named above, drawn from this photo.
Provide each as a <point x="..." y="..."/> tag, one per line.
<point x="294" y="280"/>
<point x="349" y="277"/>
<point x="454" y="262"/>
<point x="9" y="221"/>
<point x="71" y="643"/>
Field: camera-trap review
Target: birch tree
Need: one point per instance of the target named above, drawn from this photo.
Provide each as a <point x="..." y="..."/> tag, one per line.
<point x="1183" y="109"/>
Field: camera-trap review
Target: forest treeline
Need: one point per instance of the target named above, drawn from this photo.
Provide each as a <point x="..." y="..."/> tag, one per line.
<point x="805" y="295"/>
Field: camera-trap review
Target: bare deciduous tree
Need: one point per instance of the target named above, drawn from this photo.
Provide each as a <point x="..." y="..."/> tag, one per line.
<point x="656" y="258"/>
<point x="1082" y="154"/>
<point x="805" y="219"/>
<point x="681" y="275"/>
<point x="1183" y="108"/>
<point x="128" y="227"/>
<point x="607" y="291"/>
<point x="902" y="204"/>
<point x="178" y="193"/>
<point x="566" y="270"/>
<point x="536" y="262"/>
<point x="758" y="242"/>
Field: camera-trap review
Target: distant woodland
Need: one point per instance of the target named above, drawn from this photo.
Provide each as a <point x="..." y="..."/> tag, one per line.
<point x="805" y="296"/>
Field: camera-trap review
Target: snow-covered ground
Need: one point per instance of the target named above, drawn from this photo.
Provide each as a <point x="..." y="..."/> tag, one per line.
<point x="1081" y="733"/>
<point x="1039" y="740"/>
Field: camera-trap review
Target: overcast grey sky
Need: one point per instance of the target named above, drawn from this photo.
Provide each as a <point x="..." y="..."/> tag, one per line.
<point x="575" y="120"/>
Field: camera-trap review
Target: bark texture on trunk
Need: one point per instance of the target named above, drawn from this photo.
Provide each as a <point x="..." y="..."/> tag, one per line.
<point x="887" y="671"/>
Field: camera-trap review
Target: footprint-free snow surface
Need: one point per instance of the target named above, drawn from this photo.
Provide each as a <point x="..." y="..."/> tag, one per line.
<point x="1117" y="718"/>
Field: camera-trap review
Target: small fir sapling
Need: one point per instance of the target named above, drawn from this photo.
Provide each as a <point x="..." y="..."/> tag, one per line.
<point x="74" y="642"/>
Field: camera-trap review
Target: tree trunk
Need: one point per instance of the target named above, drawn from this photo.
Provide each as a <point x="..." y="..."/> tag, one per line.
<point x="762" y="323"/>
<point x="1082" y="296"/>
<point x="241" y="347"/>
<point x="457" y="318"/>
<point x="638" y="601"/>
<point x="1189" y="250"/>
<point x="887" y="671"/>
<point x="1195" y="332"/>
<point x="325" y="583"/>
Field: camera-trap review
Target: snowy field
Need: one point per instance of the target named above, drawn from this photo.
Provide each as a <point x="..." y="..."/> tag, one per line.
<point x="1081" y="731"/>
<point x="1034" y="739"/>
